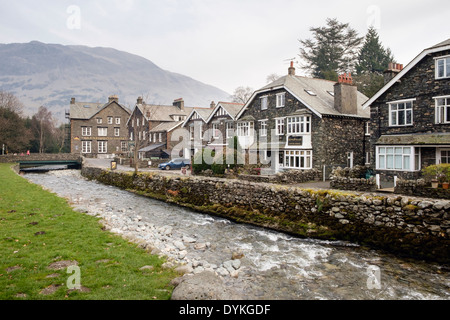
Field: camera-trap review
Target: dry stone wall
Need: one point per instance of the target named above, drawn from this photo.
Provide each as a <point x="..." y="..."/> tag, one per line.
<point x="408" y="226"/>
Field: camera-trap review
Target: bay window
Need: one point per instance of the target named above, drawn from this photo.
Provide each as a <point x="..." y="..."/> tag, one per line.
<point x="298" y="159"/>
<point x="298" y="124"/>
<point x="398" y="158"/>
<point x="245" y="129"/>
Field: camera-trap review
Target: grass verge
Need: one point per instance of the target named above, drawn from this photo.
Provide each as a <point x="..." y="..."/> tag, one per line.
<point x="38" y="229"/>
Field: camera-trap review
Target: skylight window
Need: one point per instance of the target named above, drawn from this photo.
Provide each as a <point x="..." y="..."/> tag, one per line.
<point x="311" y="93"/>
<point x="331" y="93"/>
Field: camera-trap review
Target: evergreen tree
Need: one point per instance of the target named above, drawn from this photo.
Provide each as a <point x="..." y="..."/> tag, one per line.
<point x="373" y="57"/>
<point x="332" y="51"/>
<point x="373" y="60"/>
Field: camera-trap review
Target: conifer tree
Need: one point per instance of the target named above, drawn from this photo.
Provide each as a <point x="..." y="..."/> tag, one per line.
<point x="332" y="51"/>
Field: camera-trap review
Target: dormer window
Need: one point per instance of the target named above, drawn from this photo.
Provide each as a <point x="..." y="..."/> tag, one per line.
<point x="443" y="68"/>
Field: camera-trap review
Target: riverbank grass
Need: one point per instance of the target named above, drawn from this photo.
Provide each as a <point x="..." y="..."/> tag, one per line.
<point x="40" y="236"/>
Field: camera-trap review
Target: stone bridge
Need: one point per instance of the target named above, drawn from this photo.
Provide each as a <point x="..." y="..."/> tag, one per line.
<point x="49" y="160"/>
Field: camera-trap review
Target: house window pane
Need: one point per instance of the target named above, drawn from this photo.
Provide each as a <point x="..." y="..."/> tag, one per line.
<point x="264" y="103"/>
<point x="440" y="68"/>
<point x="406" y="162"/>
<point x="382" y="162"/>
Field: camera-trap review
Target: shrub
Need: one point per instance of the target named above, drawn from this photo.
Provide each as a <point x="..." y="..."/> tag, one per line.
<point x="441" y="172"/>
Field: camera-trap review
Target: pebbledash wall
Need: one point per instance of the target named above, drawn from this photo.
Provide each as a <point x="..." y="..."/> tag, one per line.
<point x="406" y="226"/>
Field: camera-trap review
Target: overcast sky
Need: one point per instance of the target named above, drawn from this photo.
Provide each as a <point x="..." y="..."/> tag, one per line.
<point x="225" y="43"/>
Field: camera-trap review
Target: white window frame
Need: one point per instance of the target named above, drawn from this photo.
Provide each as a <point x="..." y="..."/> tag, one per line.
<point x="280" y="126"/>
<point x="86" y="147"/>
<point x="445" y="67"/>
<point x="160" y="137"/>
<point x="102" y="146"/>
<point x="117" y="132"/>
<point x="396" y="158"/>
<point x="263" y="128"/>
<point x="296" y="156"/>
<point x="149" y="137"/>
<point x="245" y="128"/>
<point x="124" y="146"/>
<point x="99" y="120"/>
<point x="442" y="110"/>
<point x="367" y="128"/>
<point x="298" y="125"/>
<point x="230" y="130"/>
<point x="117" y="120"/>
<point x="216" y="131"/>
<point x="394" y="109"/>
<point x="102" y="131"/>
<point x="439" y="155"/>
<point x="110" y="120"/>
<point x="86" y="131"/>
<point x="281" y="100"/>
<point x="191" y="132"/>
<point x="264" y="102"/>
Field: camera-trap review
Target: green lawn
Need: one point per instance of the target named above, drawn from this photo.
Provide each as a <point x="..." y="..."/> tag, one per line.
<point x="37" y="228"/>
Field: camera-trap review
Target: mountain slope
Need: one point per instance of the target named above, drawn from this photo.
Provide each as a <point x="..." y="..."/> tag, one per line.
<point x="50" y="74"/>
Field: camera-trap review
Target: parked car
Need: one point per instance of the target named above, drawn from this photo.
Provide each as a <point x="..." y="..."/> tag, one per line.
<point x="175" y="164"/>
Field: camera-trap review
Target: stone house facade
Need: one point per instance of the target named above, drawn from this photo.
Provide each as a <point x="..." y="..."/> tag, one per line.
<point x="150" y="127"/>
<point x="98" y="130"/>
<point x="303" y="123"/>
<point x="410" y="116"/>
<point x="196" y="130"/>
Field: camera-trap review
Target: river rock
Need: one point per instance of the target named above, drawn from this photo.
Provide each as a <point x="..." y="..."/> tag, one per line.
<point x="179" y="245"/>
<point x="200" y="246"/>
<point x="204" y="286"/>
<point x="189" y="239"/>
<point x="236" y="264"/>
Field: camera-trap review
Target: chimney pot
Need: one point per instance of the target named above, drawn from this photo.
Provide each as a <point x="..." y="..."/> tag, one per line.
<point x="212" y="105"/>
<point x="179" y="103"/>
<point x="139" y="100"/>
<point x="392" y="70"/>
<point x="72" y="101"/>
<point x="291" y="70"/>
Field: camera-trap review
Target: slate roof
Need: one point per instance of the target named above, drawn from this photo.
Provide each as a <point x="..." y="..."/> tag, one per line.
<point x="87" y="110"/>
<point x="204" y="113"/>
<point x="231" y="108"/>
<point x="162" y="112"/>
<point x="320" y="98"/>
<point x="442" y="138"/>
<point x="166" y="126"/>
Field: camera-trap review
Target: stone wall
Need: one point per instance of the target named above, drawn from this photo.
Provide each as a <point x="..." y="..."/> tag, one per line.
<point x="413" y="227"/>
<point x="352" y="179"/>
<point x="420" y="188"/>
<point x="40" y="157"/>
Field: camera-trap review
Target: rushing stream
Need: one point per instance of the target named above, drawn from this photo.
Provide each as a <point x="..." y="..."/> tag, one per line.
<point x="274" y="265"/>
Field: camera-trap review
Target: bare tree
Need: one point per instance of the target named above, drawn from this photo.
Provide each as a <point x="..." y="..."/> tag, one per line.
<point x="272" y="77"/>
<point x="10" y="102"/>
<point x="42" y="126"/>
<point x="241" y="94"/>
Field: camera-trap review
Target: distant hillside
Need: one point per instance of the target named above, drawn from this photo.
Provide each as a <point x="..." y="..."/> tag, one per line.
<point x="50" y="74"/>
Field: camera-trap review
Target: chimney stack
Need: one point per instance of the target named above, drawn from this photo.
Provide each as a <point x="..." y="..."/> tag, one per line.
<point x="392" y="70"/>
<point x="291" y="70"/>
<point x="113" y="98"/>
<point x="346" y="95"/>
<point x="72" y="101"/>
<point x="179" y="103"/>
<point x="212" y="105"/>
<point x="140" y="100"/>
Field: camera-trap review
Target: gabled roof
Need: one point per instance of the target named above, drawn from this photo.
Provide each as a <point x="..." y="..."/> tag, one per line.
<point x="316" y="94"/>
<point x="203" y="113"/>
<point x="444" y="45"/>
<point x="87" y="110"/>
<point x="231" y="108"/>
<point x="166" y="126"/>
<point x="162" y="112"/>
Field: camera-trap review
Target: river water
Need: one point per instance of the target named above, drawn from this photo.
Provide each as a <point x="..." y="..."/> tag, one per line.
<point x="274" y="265"/>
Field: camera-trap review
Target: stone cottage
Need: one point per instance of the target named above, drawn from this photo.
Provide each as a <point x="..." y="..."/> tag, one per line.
<point x="303" y="123"/>
<point x="410" y="116"/>
<point x="97" y="129"/>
